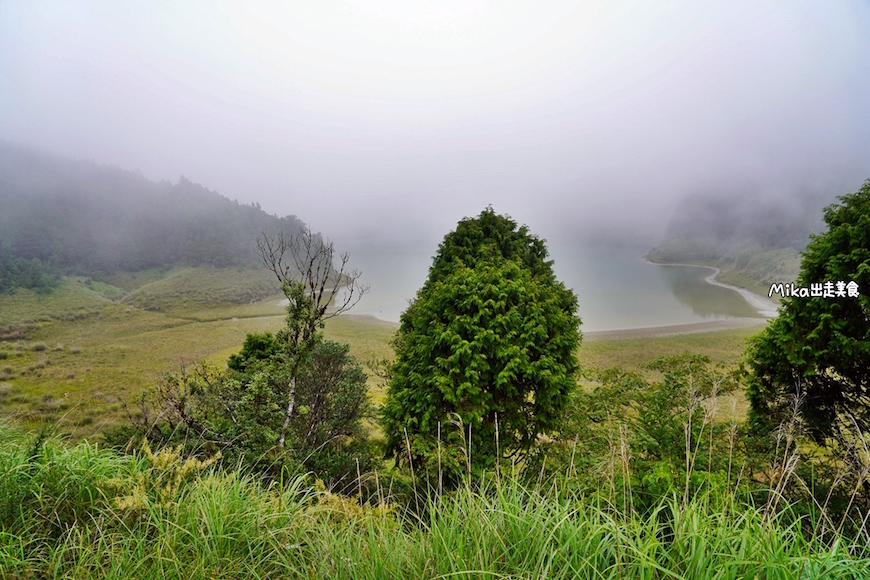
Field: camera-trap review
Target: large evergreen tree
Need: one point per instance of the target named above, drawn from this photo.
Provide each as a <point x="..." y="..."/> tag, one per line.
<point x="820" y="346"/>
<point x="492" y="335"/>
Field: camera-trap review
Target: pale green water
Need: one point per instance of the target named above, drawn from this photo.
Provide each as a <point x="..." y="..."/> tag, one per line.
<point x="615" y="286"/>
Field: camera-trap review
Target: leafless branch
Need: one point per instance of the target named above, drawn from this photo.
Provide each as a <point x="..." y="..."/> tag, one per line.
<point x="304" y="259"/>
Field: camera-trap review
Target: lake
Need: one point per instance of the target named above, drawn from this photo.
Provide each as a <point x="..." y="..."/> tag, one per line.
<point x="616" y="288"/>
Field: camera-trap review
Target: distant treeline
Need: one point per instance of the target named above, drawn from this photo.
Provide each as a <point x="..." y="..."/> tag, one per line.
<point x="714" y="225"/>
<point x="20" y="273"/>
<point x="61" y="216"/>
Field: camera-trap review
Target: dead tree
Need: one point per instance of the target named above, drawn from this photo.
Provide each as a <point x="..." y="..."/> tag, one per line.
<point x="316" y="288"/>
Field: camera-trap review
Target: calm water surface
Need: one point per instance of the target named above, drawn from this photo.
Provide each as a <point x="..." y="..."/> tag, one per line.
<point x="616" y="288"/>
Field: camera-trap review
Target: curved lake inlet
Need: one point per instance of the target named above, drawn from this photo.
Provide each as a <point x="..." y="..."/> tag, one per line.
<point x="618" y="289"/>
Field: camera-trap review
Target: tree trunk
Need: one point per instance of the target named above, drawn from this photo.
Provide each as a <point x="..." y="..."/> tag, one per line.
<point x="289" y="412"/>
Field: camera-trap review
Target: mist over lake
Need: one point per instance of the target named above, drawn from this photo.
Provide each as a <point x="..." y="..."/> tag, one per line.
<point x="616" y="288"/>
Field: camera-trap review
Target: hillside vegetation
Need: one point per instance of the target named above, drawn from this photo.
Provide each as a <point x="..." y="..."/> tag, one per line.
<point x="754" y="241"/>
<point x="71" y="359"/>
<point x="62" y="216"/>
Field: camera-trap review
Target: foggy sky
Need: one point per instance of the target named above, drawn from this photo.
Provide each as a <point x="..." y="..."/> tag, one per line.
<point x="384" y="123"/>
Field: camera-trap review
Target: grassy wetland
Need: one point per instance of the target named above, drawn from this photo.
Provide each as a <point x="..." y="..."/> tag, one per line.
<point x="72" y="358"/>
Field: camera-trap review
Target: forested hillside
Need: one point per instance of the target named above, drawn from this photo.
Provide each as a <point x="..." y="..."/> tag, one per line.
<point x="756" y="240"/>
<point x="61" y="216"/>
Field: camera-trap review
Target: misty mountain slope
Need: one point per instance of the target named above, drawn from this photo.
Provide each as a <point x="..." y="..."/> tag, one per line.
<point x="754" y="240"/>
<point x="77" y="217"/>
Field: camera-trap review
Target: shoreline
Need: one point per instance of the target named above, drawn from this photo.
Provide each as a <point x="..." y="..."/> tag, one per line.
<point x="621" y="333"/>
<point x="764" y="306"/>
<point x="673" y="329"/>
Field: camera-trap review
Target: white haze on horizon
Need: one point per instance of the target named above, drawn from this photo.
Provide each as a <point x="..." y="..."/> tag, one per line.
<point x="382" y="123"/>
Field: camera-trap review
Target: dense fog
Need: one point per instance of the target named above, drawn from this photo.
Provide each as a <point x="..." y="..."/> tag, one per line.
<point x="382" y="124"/>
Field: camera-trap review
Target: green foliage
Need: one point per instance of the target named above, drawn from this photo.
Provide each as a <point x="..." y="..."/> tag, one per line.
<point x="241" y="411"/>
<point x="486" y="236"/>
<point x="257" y="348"/>
<point x="303" y="316"/>
<point x="332" y="397"/>
<point x="47" y="489"/>
<point x="490" y="335"/>
<point x="820" y="347"/>
<point x="639" y="440"/>
<point x="18" y="272"/>
<point x="86" y="512"/>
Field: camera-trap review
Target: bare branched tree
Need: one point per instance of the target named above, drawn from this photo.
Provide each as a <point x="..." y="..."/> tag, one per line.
<point x="316" y="288"/>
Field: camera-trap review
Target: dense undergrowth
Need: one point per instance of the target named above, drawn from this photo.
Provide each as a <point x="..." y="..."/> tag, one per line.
<point x="85" y="512"/>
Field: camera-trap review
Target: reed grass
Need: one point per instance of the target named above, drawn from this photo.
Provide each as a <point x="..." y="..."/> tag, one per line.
<point x="86" y="512"/>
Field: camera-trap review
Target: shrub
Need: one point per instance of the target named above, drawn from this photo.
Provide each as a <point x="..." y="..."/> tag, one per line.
<point x="647" y="439"/>
<point x="242" y="413"/>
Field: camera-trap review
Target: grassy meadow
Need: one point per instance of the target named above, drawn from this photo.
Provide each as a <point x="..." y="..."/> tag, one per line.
<point x="73" y="357"/>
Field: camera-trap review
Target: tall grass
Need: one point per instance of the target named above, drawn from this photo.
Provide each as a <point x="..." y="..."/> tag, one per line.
<point x="85" y="512"/>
